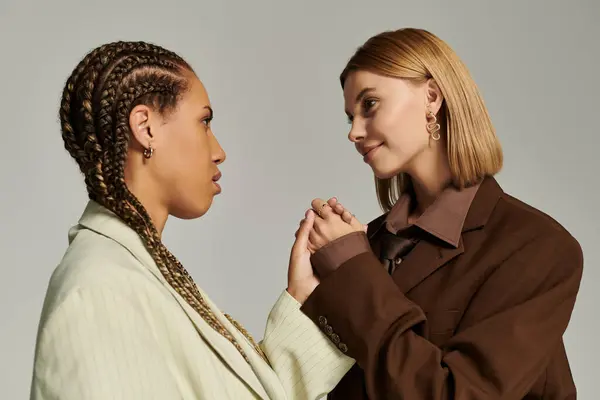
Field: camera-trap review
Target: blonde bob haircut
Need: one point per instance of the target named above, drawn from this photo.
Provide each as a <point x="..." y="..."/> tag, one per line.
<point x="416" y="55"/>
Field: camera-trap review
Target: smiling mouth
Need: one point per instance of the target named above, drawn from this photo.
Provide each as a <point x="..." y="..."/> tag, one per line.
<point x="370" y="149"/>
<point x="369" y="153"/>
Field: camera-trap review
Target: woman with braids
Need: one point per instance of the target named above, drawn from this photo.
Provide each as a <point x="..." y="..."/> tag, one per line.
<point x="122" y="317"/>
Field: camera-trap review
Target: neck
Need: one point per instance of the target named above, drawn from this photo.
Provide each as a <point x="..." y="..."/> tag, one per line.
<point x="430" y="175"/>
<point x="143" y="189"/>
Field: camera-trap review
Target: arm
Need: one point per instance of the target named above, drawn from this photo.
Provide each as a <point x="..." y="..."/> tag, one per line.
<point x="96" y="346"/>
<point x="514" y="321"/>
<point x="308" y="365"/>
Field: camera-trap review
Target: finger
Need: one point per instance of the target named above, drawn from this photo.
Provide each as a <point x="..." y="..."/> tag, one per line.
<point x="299" y="224"/>
<point x="336" y="206"/>
<point x="321" y="208"/>
<point x="302" y="238"/>
<point x="311" y="247"/>
<point x="347" y="217"/>
<point x="319" y="225"/>
<point x="314" y="239"/>
<point x="356" y="224"/>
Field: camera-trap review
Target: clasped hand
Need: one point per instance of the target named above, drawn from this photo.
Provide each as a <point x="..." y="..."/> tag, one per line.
<point x="331" y="223"/>
<point x="322" y="224"/>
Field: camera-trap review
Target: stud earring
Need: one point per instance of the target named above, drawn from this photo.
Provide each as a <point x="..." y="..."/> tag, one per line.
<point x="433" y="127"/>
<point x="149" y="151"/>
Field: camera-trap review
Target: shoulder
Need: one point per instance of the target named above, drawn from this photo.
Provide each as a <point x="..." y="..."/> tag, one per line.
<point x="94" y="264"/>
<point x="534" y="240"/>
<point x="522" y="219"/>
<point x="96" y="260"/>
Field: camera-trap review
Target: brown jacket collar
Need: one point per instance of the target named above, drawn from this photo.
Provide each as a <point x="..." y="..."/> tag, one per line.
<point x="454" y="212"/>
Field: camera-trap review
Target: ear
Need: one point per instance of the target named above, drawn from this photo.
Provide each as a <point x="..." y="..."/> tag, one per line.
<point x="139" y="124"/>
<point x="434" y="96"/>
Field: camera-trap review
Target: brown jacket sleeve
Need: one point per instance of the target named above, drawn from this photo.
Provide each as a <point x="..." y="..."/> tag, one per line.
<point x="517" y="316"/>
<point x="331" y="256"/>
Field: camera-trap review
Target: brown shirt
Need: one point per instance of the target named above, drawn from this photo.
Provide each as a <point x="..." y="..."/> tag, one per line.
<point x="478" y="315"/>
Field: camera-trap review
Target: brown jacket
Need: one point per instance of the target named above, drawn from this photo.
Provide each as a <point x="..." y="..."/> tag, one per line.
<point x="480" y="319"/>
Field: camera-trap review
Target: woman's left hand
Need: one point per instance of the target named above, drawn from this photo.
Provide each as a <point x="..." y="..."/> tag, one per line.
<point x="329" y="225"/>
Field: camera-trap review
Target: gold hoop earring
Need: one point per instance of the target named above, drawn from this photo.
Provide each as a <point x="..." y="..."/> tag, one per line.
<point x="433" y="127"/>
<point x="149" y="151"/>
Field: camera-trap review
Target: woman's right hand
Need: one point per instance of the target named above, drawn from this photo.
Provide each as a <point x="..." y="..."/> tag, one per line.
<point x="346" y="215"/>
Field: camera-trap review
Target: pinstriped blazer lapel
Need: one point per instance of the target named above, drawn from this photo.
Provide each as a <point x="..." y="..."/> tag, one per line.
<point x="104" y="222"/>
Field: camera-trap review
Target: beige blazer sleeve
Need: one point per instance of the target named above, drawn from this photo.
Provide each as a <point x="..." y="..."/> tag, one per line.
<point x="103" y="346"/>
<point x="306" y="362"/>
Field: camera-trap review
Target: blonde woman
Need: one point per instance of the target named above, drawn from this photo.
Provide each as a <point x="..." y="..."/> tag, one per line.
<point x="122" y="317"/>
<point x="476" y="288"/>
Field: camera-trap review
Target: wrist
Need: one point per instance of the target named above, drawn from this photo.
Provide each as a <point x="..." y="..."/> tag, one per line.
<point x="297" y="296"/>
<point x="330" y="257"/>
<point x="300" y="293"/>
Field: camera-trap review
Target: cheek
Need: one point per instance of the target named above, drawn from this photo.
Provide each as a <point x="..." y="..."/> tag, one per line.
<point x="403" y="128"/>
<point x="188" y="157"/>
<point x="198" y="157"/>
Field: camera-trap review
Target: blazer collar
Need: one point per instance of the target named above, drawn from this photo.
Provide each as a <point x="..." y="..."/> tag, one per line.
<point x="483" y="204"/>
<point x="479" y="211"/>
<point x="104" y="222"/>
<point x="427" y="256"/>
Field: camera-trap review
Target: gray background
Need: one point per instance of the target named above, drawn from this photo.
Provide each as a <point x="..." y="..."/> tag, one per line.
<point x="271" y="69"/>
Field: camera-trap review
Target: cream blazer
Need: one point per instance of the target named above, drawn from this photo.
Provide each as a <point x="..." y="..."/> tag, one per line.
<point x="112" y="328"/>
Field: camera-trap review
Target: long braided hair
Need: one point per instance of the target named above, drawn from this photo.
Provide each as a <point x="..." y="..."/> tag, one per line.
<point x="94" y="113"/>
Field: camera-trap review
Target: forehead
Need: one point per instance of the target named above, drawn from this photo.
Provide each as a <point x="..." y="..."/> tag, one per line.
<point x="357" y="81"/>
<point x="197" y="93"/>
<point x="360" y="82"/>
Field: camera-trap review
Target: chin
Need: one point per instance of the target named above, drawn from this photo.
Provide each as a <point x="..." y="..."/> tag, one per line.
<point x="386" y="166"/>
<point x="191" y="211"/>
<point x="386" y="173"/>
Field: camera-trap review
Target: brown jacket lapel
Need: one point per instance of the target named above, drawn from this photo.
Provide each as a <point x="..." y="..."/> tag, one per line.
<point x="427" y="257"/>
<point x="423" y="260"/>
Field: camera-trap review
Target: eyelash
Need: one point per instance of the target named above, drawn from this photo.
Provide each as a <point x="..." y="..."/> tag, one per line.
<point x="207" y="121"/>
<point x="367" y="104"/>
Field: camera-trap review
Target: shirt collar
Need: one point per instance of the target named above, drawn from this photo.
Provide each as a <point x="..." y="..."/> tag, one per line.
<point x="443" y="219"/>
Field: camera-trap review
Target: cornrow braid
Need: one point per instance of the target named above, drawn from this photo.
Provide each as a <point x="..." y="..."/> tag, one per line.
<point x="96" y="103"/>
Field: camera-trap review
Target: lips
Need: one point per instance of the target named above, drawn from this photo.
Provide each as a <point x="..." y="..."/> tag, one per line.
<point x="369" y="151"/>
<point x="215" y="178"/>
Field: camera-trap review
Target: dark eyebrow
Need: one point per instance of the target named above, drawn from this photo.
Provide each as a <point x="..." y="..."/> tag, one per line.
<point x="360" y="96"/>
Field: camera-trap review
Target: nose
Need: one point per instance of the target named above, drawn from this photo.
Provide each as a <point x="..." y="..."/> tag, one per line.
<point x="218" y="154"/>
<point x="356" y="134"/>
